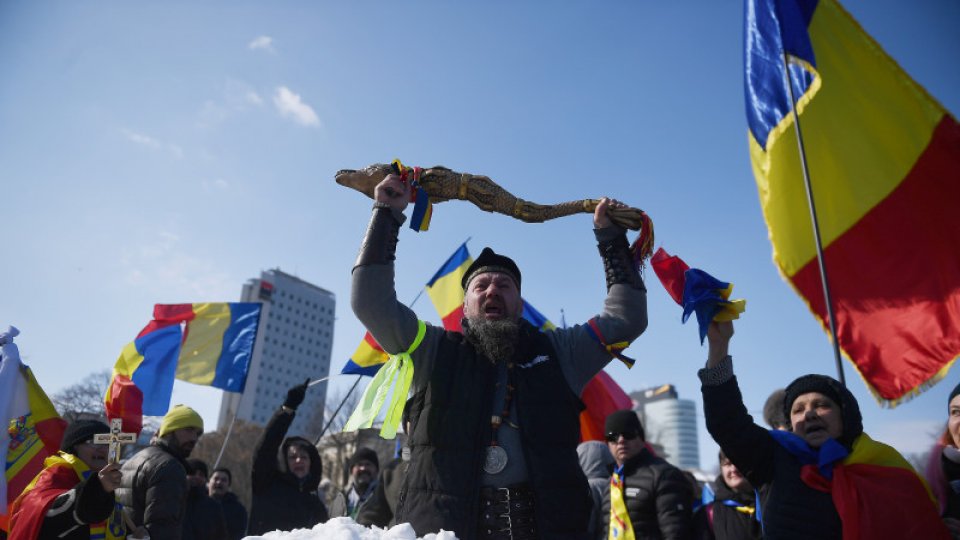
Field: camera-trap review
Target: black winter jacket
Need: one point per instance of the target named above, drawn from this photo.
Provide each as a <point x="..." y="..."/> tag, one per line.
<point x="790" y="508"/>
<point x="235" y="515"/>
<point x="379" y="508"/>
<point x="153" y="491"/>
<point x="280" y="500"/>
<point x="728" y="523"/>
<point x="658" y="499"/>
<point x="204" y="517"/>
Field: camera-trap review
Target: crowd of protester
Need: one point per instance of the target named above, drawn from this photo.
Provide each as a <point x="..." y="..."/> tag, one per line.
<point x="160" y="492"/>
<point x="519" y="472"/>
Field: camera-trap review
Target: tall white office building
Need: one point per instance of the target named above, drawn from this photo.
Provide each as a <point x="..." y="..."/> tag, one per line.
<point x="294" y="343"/>
<point x="670" y="422"/>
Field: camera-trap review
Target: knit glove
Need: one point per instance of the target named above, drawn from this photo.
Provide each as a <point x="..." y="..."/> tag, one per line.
<point x="295" y="395"/>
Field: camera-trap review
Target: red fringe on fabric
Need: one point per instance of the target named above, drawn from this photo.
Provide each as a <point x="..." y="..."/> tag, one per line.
<point x="642" y="247"/>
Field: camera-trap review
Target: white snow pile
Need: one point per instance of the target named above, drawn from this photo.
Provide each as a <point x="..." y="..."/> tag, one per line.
<point x="344" y="528"/>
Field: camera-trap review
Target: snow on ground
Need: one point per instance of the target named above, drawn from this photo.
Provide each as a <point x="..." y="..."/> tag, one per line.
<point x="344" y="528"/>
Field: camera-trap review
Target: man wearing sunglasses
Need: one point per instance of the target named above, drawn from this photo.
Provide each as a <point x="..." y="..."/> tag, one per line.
<point x="647" y="494"/>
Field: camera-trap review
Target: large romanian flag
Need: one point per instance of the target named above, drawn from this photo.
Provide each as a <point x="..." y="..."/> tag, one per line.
<point x="209" y="344"/>
<point x="884" y="160"/>
<point x="34" y="429"/>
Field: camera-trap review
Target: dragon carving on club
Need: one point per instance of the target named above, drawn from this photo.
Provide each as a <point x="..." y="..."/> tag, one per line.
<point x="442" y="184"/>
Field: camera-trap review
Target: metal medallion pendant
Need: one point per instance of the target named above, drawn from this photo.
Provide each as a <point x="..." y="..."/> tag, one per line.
<point x="496" y="460"/>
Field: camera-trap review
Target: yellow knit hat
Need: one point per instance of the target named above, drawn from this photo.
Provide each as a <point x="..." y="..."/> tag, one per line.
<point x="179" y="417"/>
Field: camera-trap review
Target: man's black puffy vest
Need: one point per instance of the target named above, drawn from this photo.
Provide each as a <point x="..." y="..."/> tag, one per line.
<point x="452" y="430"/>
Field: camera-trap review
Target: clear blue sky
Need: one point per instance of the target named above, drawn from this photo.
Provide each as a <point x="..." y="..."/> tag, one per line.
<point x="165" y="153"/>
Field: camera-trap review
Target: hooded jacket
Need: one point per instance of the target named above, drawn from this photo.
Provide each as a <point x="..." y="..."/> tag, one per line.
<point x="280" y="499"/>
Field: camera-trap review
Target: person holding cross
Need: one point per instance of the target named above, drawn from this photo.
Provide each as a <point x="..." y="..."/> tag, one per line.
<point x="73" y="497"/>
<point x="496" y="408"/>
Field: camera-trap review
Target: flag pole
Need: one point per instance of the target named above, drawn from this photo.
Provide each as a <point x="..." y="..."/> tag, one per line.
<point x="334" y="415"/>
<point x="831" y="318"/>
<point x="229" y="431"/>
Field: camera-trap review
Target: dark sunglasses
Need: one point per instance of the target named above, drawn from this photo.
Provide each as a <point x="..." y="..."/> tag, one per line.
<point x="613" y="437"/>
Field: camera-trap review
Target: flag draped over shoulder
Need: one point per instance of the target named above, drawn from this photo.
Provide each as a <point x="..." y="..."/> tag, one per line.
<point x="34" y="429"/>
<point x="884" y="161"/>
<point x="205" y="343"/>
<point x="62" y="472"/>
<point x="877" y="493"/>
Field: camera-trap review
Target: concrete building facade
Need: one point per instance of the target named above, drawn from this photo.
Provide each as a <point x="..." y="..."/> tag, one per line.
<point x="294" y="342"/>
<point x="670" y="422"/>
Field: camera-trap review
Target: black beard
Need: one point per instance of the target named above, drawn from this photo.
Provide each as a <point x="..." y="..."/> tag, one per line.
<point x="496" y="339"/>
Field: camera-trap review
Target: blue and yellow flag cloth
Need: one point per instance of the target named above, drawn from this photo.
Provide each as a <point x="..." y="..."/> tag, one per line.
<point x="697" y="291"/>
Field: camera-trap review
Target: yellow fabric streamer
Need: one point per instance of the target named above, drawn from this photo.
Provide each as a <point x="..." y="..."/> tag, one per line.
<point x="621" y="528"/>
<point x="731" y="311"/>
<point x="397" y="372"/>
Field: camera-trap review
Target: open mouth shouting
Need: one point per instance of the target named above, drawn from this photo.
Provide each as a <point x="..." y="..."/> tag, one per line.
<point x="494" y="309"/>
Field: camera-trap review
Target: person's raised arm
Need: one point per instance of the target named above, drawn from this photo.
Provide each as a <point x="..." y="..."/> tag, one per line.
<point x="624" y="315"/>
<point x="748" y="445"/>
<point x="373" y="296"/>
<point x="264" y="469"/>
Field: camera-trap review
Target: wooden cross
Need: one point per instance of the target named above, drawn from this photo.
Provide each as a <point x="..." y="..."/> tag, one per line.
<point x="116" y="439"/>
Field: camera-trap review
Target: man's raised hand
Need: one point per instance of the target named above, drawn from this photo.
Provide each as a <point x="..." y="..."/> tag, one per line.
<point x="393" y="191"/>
<point x="600" y="217"/>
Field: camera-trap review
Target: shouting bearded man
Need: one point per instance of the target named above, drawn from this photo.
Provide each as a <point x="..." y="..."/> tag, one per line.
<point x="497" y="407"/>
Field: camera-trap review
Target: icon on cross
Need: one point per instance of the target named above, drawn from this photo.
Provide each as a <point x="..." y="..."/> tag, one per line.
<point x="116" y="439"/>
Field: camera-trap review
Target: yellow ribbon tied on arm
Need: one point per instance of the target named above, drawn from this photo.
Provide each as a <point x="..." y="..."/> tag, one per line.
<point x="397" y="372"/>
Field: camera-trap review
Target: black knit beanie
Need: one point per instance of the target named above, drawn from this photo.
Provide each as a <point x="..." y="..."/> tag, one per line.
<point x="625" y="421"/>
<point x="830" y="387"/>
<point x="79" y="432"/>
<point x="488" y="261"/>
<point x="364" y="453"/>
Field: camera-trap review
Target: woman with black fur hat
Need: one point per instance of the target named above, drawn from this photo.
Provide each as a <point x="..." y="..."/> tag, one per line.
<point x="825" y="478"/>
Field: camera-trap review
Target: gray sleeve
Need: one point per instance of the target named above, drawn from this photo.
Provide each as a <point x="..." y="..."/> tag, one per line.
<point x="624" y="318"/>
<point x="373" y="297"/>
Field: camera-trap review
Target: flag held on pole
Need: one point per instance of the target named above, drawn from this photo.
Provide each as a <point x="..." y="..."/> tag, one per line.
<point x="884" y="161"/>
<point x="205" y="343"/>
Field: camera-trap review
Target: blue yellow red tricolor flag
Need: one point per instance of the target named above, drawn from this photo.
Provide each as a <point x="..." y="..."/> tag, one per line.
<point x="445" y="290"/>
<point x="34" y="429"/>
<point x="204" y="343"/>
<point x="697" y="291"/>
<point x="884" y="160"/>
<point x="866" y="482"/>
